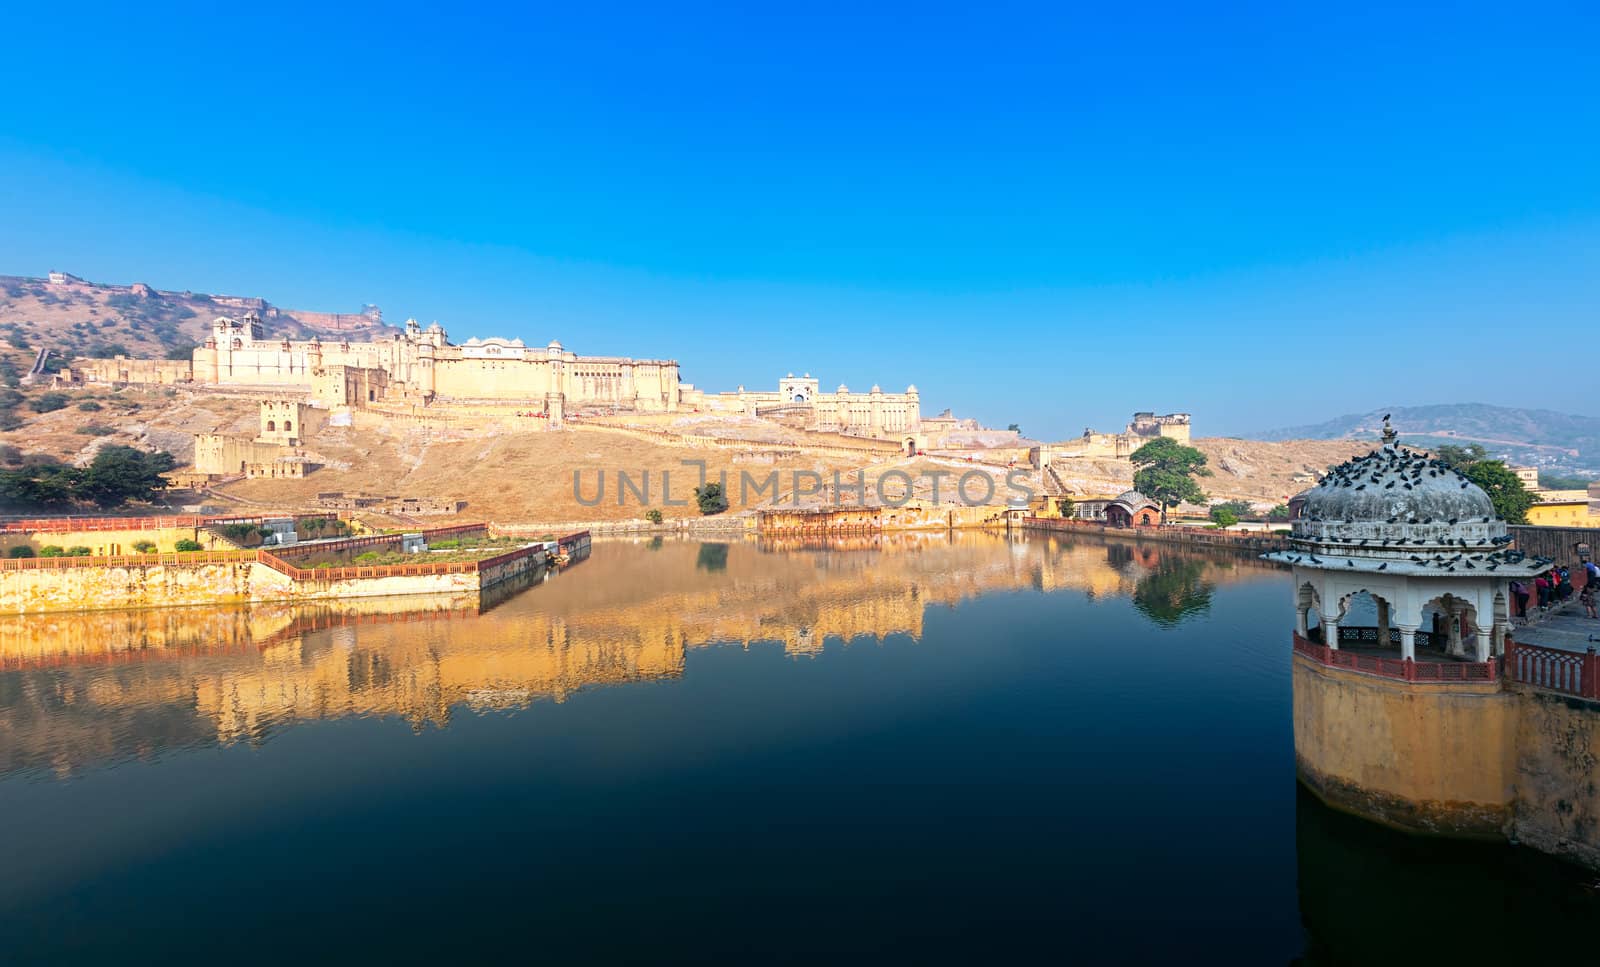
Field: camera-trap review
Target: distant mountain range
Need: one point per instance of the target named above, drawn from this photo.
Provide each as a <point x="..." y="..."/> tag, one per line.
<point x="1560" y="442"/>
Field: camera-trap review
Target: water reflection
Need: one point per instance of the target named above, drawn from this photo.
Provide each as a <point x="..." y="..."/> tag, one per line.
<point x="76" y="690"/>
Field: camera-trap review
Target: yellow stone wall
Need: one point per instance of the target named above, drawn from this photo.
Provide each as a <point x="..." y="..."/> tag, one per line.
<point x="1557" y="808"/>
<point x="31" y="591"/>
<point x="103" y="543"/>
<point x="1429" y="758"/>
<point x="1570" y="513"/>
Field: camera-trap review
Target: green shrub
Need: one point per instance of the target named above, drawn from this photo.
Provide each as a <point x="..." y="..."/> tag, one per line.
<point x="653" y="516"/>
<point x="145" y="547"/>
<point x="21" y="551"/>
<point x="78" y="550"/>
<point x="96" y="429"/>
<point x="187" y="545"/>
<point x="49" y="402"/>
<point x="89" y="406"/>
<point x="9" y="420"/>
<point x="52" y="550"/>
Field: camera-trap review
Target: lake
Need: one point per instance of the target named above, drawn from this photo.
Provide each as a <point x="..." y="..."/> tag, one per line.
<point x="920" y="749"/>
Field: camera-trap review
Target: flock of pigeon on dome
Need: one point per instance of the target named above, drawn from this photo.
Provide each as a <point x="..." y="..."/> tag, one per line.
<point x="1394" y="467"/>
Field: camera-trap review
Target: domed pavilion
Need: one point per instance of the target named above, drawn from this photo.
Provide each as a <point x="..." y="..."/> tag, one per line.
<point x="1388" y="541"/>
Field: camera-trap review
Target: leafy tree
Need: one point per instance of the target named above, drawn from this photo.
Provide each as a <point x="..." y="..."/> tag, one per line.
<point x="1555" y="481"/>
<point x="653" y="516"/>
<point x="52" y="550"/>
<point x="106" y="350"/>
<point x="1506" y="491"/>
<point x="1167" y="472"/>
<point x="1223" y="516"/>
<point x="1065" y="506"/>
<point x="21" y="550"/>
<point x="49" y="402"/>
<point x="711" y="499"/>
<point x="1279" y="512"/>
<point x="121" y="473"/>
<point x="1241" y="508"/>
<point x="1459" y="458"/>
<point x="184" y="544"/>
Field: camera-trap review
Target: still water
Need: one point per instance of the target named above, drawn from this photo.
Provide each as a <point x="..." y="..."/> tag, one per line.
<point x="956" y="750"/>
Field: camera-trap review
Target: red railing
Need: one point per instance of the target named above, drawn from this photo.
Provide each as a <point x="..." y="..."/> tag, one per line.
<point x="1402" y="669"/>
<point x="1567" y="672"/>
<point x="61" y="525"/>
<point x="125" y="560"/>
<point x="276" y="561"/>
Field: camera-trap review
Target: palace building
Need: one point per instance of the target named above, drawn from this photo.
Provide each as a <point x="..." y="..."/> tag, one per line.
<point x="418" y="364"/>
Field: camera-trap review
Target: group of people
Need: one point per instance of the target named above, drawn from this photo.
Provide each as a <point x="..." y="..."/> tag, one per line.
<point x="1555" y="586"/>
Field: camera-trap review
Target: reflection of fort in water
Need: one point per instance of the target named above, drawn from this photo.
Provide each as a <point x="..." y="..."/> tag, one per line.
<point x="86" y="688"/>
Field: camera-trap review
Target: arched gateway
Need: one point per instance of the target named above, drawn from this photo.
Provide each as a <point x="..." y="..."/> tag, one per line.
<point x="1424" y="543"/>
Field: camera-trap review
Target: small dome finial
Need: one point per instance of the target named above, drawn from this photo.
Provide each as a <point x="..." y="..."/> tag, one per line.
<point x="1389" y="434"/>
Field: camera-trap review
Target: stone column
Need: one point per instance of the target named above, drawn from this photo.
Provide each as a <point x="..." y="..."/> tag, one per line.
<point x="1483" y="644"/>
<point x="1330" y="633"/>
<point x="1383" y="623"/>
<point x="1408" y="642"/>
<point x="1302" y="618"/>
<point x="1453" y="630"/>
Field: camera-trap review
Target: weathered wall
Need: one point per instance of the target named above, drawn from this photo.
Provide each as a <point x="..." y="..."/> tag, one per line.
<point x="1559" y="543"/>
<point x="220" y="453"/>
<point x="167" y="585"/>
<point x="1433" y="758"/>
<point x="138" y="586"/>
<point x="1557" y="806"/>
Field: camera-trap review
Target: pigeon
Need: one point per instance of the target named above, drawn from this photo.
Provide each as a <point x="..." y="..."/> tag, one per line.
<point x="1384" y="566"/>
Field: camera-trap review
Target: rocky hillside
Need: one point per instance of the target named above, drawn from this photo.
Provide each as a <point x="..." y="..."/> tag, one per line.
<point x="1558" y="441"/>
<point x="72" y="318"/>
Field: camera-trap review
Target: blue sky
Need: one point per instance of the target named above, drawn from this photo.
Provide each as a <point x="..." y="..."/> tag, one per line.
<point x="1047" y="214"/>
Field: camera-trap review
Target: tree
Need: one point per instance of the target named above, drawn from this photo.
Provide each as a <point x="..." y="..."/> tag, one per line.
<point x="21" y="550"/>
<point x="653" y="515"/>
<point x="1241" y="508"/>
<point x="1506" y="491"/>
<point x="711" y="499"/>
<point x="184" y="544"/>
<point x="1223" y="516"/>
<point x="49" y="402"/>
<point x="1065" y="506"/>
<point x="1554" y="481"/>
<point x="120" y="474"/>
<point x="1166" y="473"/>
<point x="1278" y="512"/>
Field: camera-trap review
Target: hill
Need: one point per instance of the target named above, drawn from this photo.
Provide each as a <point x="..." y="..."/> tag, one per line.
<point x="1563" y="442"/>
<point x="72" y="317"/>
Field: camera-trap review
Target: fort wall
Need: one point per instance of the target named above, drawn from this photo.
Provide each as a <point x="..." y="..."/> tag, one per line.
<point x="1480" y="760"/>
